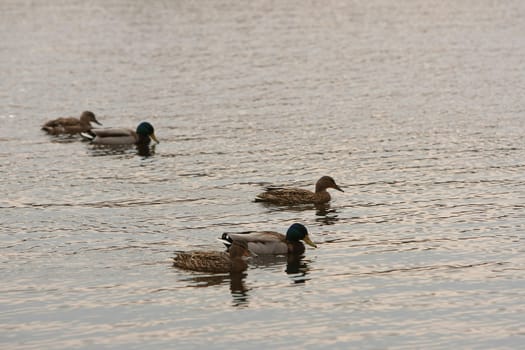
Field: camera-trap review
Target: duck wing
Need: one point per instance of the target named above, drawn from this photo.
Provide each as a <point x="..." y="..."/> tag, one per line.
<point x="113" y="132"/>
<point x="112" y="136"/>
<point x="62" y="122"/>
<point x="257" y="236"/>
<point x="259" y="242"/>
<point x="286" y="196"/>
<point x="203" y="261"/>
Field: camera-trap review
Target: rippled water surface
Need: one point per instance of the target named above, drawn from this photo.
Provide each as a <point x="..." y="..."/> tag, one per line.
<point x="416" y="108"/>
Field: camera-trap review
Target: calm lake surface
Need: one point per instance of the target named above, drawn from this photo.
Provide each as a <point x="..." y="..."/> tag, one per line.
<point x="416" y="108"/>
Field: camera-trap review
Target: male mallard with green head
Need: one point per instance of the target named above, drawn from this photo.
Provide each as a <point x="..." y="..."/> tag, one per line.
<point x="269" y="242"/>
<point x="216" y="262"/>
<point x="292" y="196"/>
<point x="71" y="125"/>
<point x="122" y="136"/>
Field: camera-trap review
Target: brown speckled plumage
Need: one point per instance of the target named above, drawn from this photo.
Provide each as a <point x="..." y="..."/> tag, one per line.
<point x="292" y="196"/>
<point x="71" y="125"/>
<point x="215" y="262"/>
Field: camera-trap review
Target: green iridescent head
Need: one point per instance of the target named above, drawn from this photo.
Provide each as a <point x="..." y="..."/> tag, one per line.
<point x="297" y="232"/>
<point x="145" y="129"/>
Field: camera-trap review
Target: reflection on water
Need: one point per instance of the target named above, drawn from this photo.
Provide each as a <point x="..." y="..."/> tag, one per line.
<point x="292" y="264"/>
<point x="200" y="280"/>
<point x="326" y="215"/>
<point x="238" y="289"/>
<point x="112" y="150"/>
<point x="321" y="209"/>
<point x="64" y="138"/>
<point x="146" y="150"/>
<point x="298" y="267"/>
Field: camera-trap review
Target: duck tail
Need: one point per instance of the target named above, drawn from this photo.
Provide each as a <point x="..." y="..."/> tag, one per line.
<point x="88" y="135"/>
<point x="273" y="188"/>
<point x="51" y="129"/>
<point x="226" y="240"/>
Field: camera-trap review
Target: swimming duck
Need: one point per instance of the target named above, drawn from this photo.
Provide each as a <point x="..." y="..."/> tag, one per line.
<point x="71" y="125"/>
<point x="217" y="262"/>
<point x="291" y="196"/>
<point x="269" y="242"/>
<point x="122" y="136"/>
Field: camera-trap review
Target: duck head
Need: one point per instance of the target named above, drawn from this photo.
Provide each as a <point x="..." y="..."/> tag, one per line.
<point x="326" y="182"/>
<point x="297" y="232"/>
<point x="145" y="130"/>
<point x="89" y="117"/>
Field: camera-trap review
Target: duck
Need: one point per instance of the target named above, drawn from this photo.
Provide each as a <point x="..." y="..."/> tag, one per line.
<point x="293" y="196"/>
<point x="122" y="136"/>
<point x="269" y="242"/>
<point x="71" y="125"/>
<point x="233" y="261"/>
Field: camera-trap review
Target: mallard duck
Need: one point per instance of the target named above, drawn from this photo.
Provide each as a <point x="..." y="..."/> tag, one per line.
<point x="291" y="196"/>
<point x="71" y="125"/>
<point x="218" y="262"/>
<point x="122" y="136"/>
<point x="269" y="242"/>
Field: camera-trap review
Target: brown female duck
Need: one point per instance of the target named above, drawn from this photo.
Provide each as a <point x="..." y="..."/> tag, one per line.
<point x="216" y="262"/>
<point x="292" y="196"/>
<point x="71" y="125"/>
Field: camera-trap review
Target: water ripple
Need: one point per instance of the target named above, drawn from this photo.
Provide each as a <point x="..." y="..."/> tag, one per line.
<point x="417" y="114"/>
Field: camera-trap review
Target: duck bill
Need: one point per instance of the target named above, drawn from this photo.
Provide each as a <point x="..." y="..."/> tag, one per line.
<point x="97" y="122"/>
<point x="154" y="138"/>
<point x="308" y="241"/>
<point x="338" y="188"/>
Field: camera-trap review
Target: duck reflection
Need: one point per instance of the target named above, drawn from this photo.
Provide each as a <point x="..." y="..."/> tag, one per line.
<point x="111" y="150"/>
<point x="296" y="265"/>
<point x="145" y="150"/>
<point x="238" y="289"/>
<point x="326" y="215"/>
<point x="297" y="268"/>
<point x="65" y="139"/>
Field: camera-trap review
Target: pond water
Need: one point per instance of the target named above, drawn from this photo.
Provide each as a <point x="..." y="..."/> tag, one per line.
<point x="416" y="109"/>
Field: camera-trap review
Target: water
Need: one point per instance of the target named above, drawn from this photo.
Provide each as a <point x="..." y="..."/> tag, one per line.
<point x="415" y="108"/>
